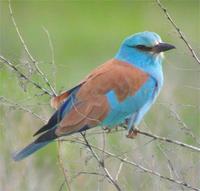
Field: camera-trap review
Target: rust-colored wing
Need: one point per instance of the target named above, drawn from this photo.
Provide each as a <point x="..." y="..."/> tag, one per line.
<point x="58" y="100"/>
<point x="92" y="105"/>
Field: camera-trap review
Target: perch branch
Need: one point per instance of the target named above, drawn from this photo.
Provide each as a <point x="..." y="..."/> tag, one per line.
<point x="179" y="143"/>
<point x="158" y="138"/>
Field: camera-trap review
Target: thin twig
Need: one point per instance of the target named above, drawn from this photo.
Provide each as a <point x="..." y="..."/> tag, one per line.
<point x="144" y="169"/>
<point x="39" y="71"/>
<point x="52" y="54"/>
<point x="62" y="165"/>
<point x="184" y="126"/>
<point x="156" y="137"/>
<point x="100" y="163"/>
<point x="53" y="92"/>
<point x="171" y="168"/>
<point x="87" y="173"/>
<point x="51" y="46"/>
<point x="18" y="33"/>
<point x="137" y="165"/>
<point x="119" y="170"/>
<point x="159" y="138"/>
<point x="20" y="107"/>
<point x="61" y="186"/>
<point x="182" y="36"/>
<point x="165" y="139"/>
<point x="12" y="66"/>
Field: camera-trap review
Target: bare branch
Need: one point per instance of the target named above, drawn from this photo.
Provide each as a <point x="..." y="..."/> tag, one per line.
<point x="62" y="166"/>
<point x="92" y="148"/>
<point x="12" y="66"/>
<point x="156" y="137"/>
<point x="51" y="46"/>
<point x="52" y="55"/>
<point x="119" y="169"/>
<point x="182" y="36"/>
<point x="144" y="169"/>
<point x="10" y="103"/>
<point x="100" y="163"/>
<point x="184" y="126"/>
<point x="18" y="33"/>
<point x="28" y="52"/>
<point x="87" y="173"/>
<point x="171" y="168"/>
<point x="61" y="186"/>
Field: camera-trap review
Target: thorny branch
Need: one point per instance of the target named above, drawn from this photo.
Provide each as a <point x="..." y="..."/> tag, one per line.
<point x="182" y="36"/>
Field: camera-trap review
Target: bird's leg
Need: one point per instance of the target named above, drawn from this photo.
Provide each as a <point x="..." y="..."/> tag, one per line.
<point x="132" y="130"/>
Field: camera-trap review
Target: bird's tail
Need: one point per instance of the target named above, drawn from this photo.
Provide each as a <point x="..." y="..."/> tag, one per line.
<point x="40" y="142"/>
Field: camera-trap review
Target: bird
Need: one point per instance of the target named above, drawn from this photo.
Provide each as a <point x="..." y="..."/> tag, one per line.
<point x="123" y="89"/>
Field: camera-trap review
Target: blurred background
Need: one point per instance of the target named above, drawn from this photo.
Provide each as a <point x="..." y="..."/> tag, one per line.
<point x="69" y="39"/>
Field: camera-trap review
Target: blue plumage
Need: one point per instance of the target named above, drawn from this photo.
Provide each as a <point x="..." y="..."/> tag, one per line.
<point x="149" y="62"/>
<point x="28" y="150"/>
<point x="132" y="104"/>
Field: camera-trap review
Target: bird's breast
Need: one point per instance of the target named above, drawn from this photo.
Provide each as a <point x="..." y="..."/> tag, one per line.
<point x="119" y="110"/>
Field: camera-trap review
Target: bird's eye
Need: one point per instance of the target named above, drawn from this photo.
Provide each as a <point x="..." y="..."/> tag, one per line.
<point x="143" y="47"/>
<point x="140" y="46"/>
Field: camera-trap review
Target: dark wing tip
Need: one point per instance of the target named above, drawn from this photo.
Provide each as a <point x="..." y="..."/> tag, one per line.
<point x="44" y="128"/>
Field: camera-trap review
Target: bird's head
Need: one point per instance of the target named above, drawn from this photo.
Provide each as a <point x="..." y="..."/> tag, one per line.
<point x="143" y="49"/>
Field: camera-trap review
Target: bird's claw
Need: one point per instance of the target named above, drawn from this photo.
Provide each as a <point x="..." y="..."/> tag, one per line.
<point x="108" y="130"/>
<point x="132" y="133"/>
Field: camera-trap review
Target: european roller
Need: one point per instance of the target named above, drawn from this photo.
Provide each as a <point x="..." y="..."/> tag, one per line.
<point x="121" y="90"/>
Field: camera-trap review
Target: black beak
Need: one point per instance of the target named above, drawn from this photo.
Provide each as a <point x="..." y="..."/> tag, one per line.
<point x="162" y="47"/>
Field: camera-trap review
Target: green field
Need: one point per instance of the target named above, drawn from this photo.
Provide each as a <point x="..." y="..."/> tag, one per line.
<point x="70" y="38"/>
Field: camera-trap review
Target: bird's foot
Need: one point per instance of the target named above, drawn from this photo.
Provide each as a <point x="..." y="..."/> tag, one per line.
<point x="132" y="133"/>
<point x="107" y="129"/>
